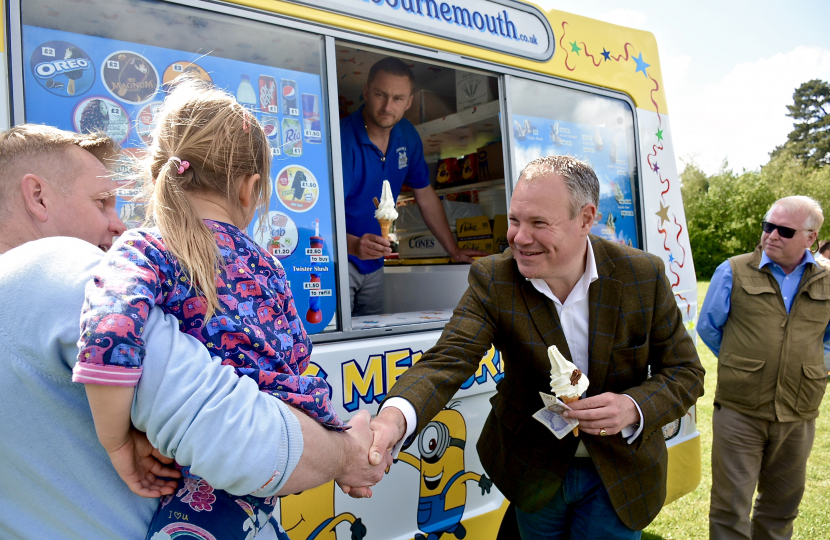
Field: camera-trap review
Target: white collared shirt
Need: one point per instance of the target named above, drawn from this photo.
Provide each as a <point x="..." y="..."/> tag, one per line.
<point x="573" y="315"/>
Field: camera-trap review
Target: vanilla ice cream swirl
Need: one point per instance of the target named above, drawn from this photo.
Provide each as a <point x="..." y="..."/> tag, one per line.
<point x="386" y="206"/>
<point x="563" y="375"/>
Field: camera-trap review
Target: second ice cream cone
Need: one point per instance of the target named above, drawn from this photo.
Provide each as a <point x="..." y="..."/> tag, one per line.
<point x="385" y="225"/>
<point x="385" y="213"/>
<point x="567" y="400"/>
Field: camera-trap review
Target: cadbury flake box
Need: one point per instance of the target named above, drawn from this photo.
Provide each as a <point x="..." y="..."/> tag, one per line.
<point x="474" y="233"/>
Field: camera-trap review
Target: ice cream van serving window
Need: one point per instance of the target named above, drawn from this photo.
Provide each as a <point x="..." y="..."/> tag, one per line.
<point x="106" y="66"/>
<point x="552" y="120"/>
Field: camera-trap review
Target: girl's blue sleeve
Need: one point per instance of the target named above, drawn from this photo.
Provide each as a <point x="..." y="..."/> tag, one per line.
<point x="126" y="284"/>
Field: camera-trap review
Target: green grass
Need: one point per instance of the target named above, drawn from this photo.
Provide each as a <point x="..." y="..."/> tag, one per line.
<point x="688" y="517"/>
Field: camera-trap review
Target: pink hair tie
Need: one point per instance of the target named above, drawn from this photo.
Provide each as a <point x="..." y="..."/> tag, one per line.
<point x="181" y="165"/>
<point x="246" y="124"/>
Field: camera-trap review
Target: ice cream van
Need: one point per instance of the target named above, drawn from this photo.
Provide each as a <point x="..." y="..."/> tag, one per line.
<point x="498" y="83"/>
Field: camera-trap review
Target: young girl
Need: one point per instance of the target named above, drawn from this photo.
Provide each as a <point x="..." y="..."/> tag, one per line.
<point x="210" y="160"/>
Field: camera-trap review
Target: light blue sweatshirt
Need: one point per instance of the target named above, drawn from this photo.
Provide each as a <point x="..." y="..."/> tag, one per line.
<point x="56" y="480"/>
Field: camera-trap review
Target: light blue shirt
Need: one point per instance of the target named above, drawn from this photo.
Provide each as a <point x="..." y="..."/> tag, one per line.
<point x="716" y="307"/>
<point x="56" y="480"/>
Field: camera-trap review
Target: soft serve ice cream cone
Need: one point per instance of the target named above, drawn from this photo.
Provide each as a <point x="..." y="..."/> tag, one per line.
<point x="386" y="213"/>
<point x="566" y="381"/>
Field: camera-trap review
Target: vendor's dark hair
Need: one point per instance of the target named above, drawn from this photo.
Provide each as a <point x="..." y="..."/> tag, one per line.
<point x="392" y="66"/>
<point x="823" y="246"/>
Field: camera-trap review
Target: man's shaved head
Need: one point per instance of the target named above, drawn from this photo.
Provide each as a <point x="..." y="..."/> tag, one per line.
<point x="42" y="150"/>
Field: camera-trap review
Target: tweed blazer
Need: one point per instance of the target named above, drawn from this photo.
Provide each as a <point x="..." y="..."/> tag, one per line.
<point x="634" y="326"/>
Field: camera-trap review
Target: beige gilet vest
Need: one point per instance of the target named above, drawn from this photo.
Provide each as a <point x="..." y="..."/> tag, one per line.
<point x="771" y="363"/>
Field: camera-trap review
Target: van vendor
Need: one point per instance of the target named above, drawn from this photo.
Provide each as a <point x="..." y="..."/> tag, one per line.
<point x="379" y="144"/>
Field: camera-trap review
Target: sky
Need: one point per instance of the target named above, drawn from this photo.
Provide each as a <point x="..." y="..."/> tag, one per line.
<point x="730" y="68"/>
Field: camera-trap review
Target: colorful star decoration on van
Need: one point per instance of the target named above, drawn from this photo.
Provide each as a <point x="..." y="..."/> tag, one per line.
<point x="641" y="65"/>
<point x="669" y="227"/>
<point x="663" y="213"/>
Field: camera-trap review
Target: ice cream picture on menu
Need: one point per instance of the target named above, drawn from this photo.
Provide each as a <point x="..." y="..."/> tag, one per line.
<point x="567" y="382"/>
<point x="386" y="213"/>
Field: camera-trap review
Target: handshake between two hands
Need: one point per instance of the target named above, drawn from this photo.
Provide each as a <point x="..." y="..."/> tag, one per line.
<point x="371" y="450"/>
<point x="366" y="452"/>
<point x="376" y="437"/>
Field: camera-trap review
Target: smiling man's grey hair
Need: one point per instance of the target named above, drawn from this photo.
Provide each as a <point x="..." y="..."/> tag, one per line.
<point x="579" y="177"/>
<point x="803" y="207"/>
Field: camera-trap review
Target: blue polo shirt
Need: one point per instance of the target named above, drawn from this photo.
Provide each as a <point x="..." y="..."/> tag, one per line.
<point x="365" y="168"/>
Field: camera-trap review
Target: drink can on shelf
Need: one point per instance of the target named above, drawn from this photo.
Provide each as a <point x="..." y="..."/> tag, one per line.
<point x="268" y="95"/>
<point x="292" y="137"/>
<point x="289" y="93"/>
<point x="311" y="119"/>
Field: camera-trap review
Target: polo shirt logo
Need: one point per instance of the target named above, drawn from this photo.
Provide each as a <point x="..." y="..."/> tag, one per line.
<point x="402" y="161"/>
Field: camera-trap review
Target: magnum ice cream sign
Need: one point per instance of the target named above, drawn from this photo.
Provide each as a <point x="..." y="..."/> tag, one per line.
<point x="130" y="77"/>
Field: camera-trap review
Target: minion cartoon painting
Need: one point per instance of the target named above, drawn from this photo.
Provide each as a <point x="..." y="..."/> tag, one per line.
<point x="443" y="492"/>
<point x="310" y="516"/>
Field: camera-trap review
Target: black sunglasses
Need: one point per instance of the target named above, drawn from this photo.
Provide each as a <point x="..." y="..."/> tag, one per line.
<point x="785" y="232"/>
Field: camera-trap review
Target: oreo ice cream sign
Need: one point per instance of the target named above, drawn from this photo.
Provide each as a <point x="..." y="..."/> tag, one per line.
<point x="63" y="68"/>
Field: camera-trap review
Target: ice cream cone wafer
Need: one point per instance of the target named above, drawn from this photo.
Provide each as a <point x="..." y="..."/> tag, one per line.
<point x="567" y="400"/>
<point x="385" y="225"/>
<point x="385" y="213"/>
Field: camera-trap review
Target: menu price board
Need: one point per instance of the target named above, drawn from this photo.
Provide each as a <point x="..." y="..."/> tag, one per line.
<point x="88" y="84"/>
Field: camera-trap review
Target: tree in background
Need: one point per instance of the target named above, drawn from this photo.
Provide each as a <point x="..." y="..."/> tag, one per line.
<point x="809" y="141"/>
<point x="724" y="211"/>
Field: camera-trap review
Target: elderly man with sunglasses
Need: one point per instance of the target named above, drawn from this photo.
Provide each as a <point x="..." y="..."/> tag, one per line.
<point x="767" y="319"/>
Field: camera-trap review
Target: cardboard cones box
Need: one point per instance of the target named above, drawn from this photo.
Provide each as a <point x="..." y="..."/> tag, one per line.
<point x="420" y="246"/>
<point x="490" y="162"/>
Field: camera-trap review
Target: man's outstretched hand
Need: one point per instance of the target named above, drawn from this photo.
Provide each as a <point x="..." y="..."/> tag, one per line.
<point x="389" y="427"/>
<point x="361" y="473"/>
<point x="139" y="465"/>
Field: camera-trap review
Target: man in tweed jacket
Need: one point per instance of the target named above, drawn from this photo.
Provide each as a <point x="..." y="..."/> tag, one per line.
<point x="610" y="310"/>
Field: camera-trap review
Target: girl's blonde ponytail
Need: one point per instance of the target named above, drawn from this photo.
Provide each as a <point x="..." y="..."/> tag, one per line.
<point x="185" y="235"/>
<point x="224" y="144"/>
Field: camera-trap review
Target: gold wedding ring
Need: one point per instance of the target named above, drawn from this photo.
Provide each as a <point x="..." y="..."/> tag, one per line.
<point x="602" y="432"/>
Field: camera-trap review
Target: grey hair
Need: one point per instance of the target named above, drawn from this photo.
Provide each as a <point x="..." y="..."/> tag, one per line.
<point x="579" y="177"/>
<point x="800" y="205"/>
